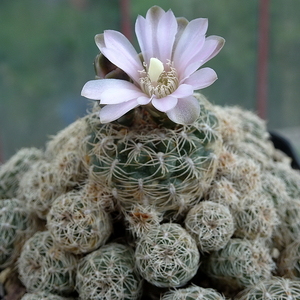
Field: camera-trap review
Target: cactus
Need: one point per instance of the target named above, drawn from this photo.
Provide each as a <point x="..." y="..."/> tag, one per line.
<point x="210" y="224"/>
<point x="43" y="267"/>
<point x="167" y="256"/>
<point x="15" y="228"/>
<point x="289" y="261"/>
<point x="109" y="273"/>
<point x="290" y="177"/>
<point x="39" y="188"/>
<point x="167" y="168"/>
<point x="13" y="170"/>
<point x="255" y="217"/>
<point x="241" y="263"/>
<point x="276" y="288"/>
<point x="289" y="228"/>
<point x="139" y="188"/>
<point x="77" y="225"/>
<point x="192" y="293"/>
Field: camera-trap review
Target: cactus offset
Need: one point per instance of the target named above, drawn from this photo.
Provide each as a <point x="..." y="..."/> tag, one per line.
<point x="109" y="273"/>
<point x="43" y="267"/>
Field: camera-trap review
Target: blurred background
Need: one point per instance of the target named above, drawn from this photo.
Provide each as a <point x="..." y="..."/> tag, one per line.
<point x="47" y="51"/>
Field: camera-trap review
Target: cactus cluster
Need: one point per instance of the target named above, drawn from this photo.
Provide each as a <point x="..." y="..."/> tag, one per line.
<point x="143" y="208"/>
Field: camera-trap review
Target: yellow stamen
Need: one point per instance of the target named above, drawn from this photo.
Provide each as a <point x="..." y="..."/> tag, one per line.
<point x="156" y="67"/>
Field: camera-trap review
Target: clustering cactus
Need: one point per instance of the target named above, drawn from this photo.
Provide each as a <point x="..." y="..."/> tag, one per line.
<point x="77" y="225"/>
<point x="109" y="273"/>
<point x="241" y="263"/>
<point x="145" y="207"/>
<point x="13" y="170"/>
<point x="167" y="256"/>
<point x="39" y="187"/>
<point x="45" y="267"/>
<point x="15" y="227"/>
<point x="210" y="224"/>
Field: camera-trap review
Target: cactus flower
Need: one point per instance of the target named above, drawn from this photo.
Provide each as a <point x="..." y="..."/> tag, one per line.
<point x="172" y="51"/>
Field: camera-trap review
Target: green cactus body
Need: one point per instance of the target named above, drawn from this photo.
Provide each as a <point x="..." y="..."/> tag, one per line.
<point x="15" y="228"/>
<point x="167" y="256"/>
<point x="13" y="170"/>
<point x="210" y="224"/>
<point x="78" y="225"/>
<point x="43" y="296"/>
<point x="109" y="273"/>
<point x="39" y="188"/>
<point x="274" y="289"/>
<point x="240" y="263"/>
<point x="192" y="293"/>
<point x="45" y="267"/>
<point x="168" y="168"/>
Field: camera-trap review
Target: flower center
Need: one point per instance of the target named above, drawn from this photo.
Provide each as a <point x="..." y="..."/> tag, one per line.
<point x="157" y="81"/>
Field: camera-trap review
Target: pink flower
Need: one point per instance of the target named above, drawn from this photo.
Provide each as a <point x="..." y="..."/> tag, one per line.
<point x="172" y="50"/>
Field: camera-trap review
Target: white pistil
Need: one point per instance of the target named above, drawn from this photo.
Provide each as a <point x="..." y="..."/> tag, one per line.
<point x="157" y="81"/>
<point x="156" y="67"/>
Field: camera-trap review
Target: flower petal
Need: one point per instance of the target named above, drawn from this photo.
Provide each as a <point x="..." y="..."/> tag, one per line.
<point x="111" y="91"/>
<point x="211" y="47"/>
<point x="164" y="104"/>
<point x="184" y="90"/>
<point x="202" y="78"/>
<point x="143" y="100"/>
<point x="116" y="47"/>
<point x="156" y="34"/>
<point x="190" y="43"/>
<point x="185" y="112"/>
<point x="113" y="112"/>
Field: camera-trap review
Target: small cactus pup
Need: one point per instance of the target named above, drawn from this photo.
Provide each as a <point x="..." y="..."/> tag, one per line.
<point x="109" y="273"/>
<point x="193" y="292"/>
<point x="44" y="267"/>
<point x="156" y="142"/>
<point x="12" y="171"/>
<point x="241" y="263"/>
<point x="289" y="261"/>
<point x="167" y="256"/>
<point x="78" y="225"/>
<point x="15" y="227"/>
<point x="256" y="216"/>
<point x="40" y="187"/>
<point x="210" y="224"/>
<point x="276" y="288"/>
